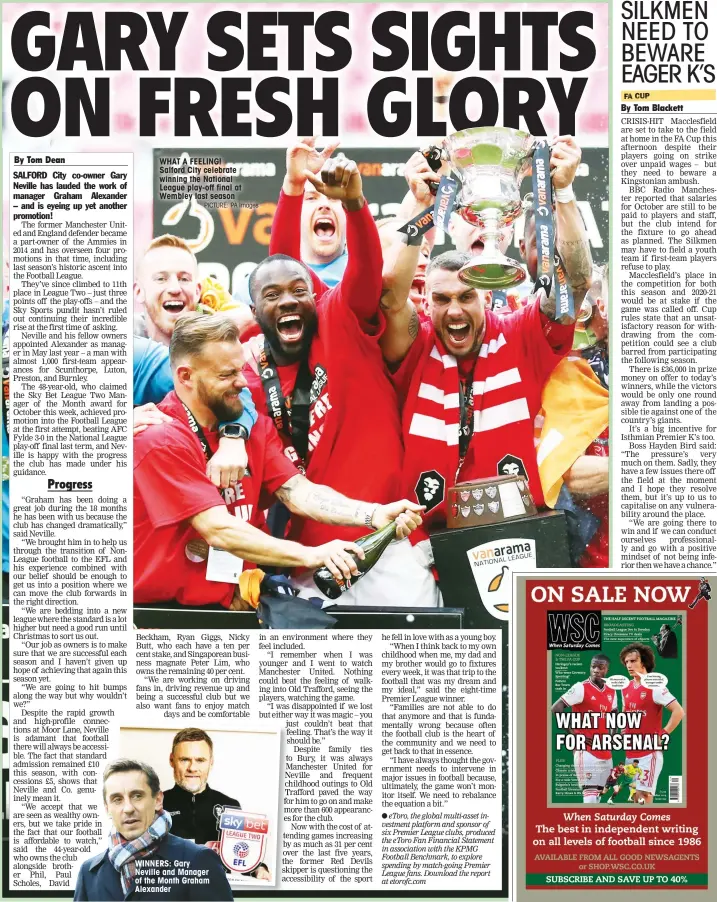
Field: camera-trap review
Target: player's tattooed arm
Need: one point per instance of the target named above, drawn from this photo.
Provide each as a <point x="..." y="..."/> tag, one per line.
<point x="578" y="263"/>
<point x="548" y="302"/>
<point x="399" y="269"/>
<point x="318" y="502"/>
<point x="402" y="328"/>
<point x="414" y="323"/>
<point x="573" y="245"/>
<point x="571" y="237"/>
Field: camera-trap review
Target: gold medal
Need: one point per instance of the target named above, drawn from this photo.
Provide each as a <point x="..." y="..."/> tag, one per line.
<point x="196" y="551"/>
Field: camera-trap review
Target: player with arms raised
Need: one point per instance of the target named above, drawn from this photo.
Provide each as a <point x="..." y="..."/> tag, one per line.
<point x="592" y="696"/>
<point x="639" y="659"/>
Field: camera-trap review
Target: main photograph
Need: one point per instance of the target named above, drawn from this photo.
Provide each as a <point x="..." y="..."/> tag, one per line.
<point x="371" y="310"/>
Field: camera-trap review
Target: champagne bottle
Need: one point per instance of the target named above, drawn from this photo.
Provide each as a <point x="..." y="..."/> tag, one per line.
<point x="373" y="546"/>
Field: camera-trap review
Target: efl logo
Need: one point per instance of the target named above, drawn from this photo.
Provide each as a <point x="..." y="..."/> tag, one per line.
<point x="241" y="851"/>
<point x="575" y="630"/>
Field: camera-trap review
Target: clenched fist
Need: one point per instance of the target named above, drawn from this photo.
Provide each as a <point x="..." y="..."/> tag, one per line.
<point x="565" y="156"/>
<point x="340" y="179"/>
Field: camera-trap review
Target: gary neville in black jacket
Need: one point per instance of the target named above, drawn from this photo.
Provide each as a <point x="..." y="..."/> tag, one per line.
<point x="195" y="807"/>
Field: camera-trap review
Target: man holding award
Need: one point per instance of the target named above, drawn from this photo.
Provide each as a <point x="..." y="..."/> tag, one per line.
<point x="471" y="380"/>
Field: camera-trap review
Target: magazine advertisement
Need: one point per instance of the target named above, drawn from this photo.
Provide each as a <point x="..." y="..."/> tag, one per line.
<point x="306" y="357"/>
<point x="611" y="741"/>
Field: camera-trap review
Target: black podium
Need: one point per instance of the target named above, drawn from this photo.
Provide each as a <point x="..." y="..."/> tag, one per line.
<point x="173" y="616"/>
<point x="450" y="547"/>
<point x="463" y="606"/>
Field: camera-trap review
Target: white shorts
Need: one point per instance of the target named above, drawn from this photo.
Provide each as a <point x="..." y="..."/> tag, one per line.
<point x="401" y="578"/>
<point x="591" y="771"/>
<point x="650" y="767"/>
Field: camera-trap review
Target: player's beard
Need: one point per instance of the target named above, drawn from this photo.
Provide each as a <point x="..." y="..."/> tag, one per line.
<point x="224" y="409"/>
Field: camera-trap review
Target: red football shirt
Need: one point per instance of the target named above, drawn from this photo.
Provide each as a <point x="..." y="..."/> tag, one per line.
<point x="650" y="702"/>
<point x="518" y="353"/>
<point x="354" y="429"/>
<point x="171" y="487"/>
<point x="586" y="698"/>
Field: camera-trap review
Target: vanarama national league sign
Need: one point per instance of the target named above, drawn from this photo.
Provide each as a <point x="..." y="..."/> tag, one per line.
<point x="492" y="565"/>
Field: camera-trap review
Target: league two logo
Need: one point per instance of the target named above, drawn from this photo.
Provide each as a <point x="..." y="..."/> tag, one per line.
<point x="243" y="839"/>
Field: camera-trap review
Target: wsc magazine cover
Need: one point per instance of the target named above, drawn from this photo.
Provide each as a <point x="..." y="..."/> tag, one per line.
<point x="612" y="733"/>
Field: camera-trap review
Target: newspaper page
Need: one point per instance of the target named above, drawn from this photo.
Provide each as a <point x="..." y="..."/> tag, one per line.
<point x="305" y="329"/>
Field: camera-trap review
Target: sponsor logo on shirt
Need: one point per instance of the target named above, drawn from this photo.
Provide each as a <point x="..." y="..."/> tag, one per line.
<point x="320" y="382"/>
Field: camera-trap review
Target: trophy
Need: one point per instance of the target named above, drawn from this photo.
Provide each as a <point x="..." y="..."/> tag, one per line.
<point x="490" y="164"/>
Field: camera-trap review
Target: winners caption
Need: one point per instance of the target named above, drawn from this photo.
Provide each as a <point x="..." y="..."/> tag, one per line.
<point x="154" y="876"/>
<point x="257" y="43"/>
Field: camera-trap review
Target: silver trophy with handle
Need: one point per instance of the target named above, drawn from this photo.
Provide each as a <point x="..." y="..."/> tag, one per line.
<point x="490" y="164"/>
